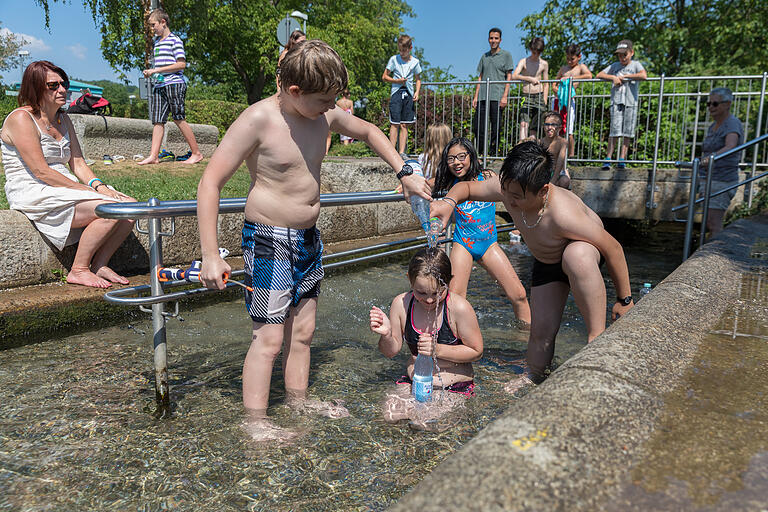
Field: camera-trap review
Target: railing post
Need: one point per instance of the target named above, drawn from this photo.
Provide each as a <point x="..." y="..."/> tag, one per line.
<point x="757" y="134"/>
<point x="485" y="121"/>
<point x="651" y="204"/>
<point x="691" y="209"/>
<point x="158" y="318"/>
<point x="707" y="192"/>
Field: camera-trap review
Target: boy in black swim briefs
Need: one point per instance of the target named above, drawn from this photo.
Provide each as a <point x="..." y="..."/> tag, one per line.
<point x="568" y="241"/>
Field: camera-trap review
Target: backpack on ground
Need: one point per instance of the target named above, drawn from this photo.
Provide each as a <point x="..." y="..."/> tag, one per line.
<point x="89" y="104"/>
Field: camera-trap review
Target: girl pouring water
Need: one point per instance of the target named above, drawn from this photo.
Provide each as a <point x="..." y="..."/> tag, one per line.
<point x="433" y="322"/>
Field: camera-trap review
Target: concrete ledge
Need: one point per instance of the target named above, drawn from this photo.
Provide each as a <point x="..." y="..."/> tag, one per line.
<point x="569" y="443"/>
<point x="120" y="136"/>
<point x="27" y="259"/>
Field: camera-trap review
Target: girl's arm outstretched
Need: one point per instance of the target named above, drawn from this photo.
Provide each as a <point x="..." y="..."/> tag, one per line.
<point x="389" y="329"/>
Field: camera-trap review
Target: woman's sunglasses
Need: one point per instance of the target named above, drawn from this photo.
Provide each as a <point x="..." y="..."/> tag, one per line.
<point x="53" y="86"/>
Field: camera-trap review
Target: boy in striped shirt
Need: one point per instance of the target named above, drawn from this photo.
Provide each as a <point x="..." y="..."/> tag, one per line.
<point x="169" y="89"/>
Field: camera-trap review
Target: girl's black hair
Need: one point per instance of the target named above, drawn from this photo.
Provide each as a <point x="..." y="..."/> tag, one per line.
<point x="444" y="177"/>
<point x="529" y="165"/>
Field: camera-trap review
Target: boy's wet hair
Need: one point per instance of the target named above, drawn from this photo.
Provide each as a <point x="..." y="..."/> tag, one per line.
<point x="536" y="45"/>
<point x="314" y="67"/>
<point x="444" y="177"/>
<point x="495" y="29"/>
<point x="293" y="39"/>
<point x="158" y="15"/>
<point x="430" y="262"/>
<point x="404" y="41"/>
<point x="573" y="50"/>
<point x="528" y="164"/>
<point x="551" y="113"/>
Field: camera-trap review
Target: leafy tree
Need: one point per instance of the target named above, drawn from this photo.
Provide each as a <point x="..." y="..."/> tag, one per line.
<point x="671" y="36"/>
<point x="234" y="40"/>
<point x="9" y="48"/>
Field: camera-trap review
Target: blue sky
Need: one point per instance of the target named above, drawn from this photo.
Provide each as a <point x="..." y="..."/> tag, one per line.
<point x="451" y="32"/>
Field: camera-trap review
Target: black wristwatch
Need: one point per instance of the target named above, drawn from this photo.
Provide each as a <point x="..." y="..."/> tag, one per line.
<point x="407" y="170"/>
<point x="626" y="301"/>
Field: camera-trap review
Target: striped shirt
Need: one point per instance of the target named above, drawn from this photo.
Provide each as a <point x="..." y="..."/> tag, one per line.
<point x="167" y="52"/>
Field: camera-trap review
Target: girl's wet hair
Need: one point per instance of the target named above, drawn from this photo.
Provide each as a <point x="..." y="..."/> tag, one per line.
<point x="528" y="164"/>
<point x="438" y="136"/>
<point x="430" y="262"/>
<point x="444" y="177"/>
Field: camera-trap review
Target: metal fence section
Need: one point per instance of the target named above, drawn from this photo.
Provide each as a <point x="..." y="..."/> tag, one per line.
<point x="671" y="123"/>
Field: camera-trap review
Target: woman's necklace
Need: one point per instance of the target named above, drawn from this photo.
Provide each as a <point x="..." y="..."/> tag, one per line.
<point x="48" y="125"/>
<point x="541" y="213"/>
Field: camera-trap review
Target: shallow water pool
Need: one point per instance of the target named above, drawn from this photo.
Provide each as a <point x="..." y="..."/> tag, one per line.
<point x="77" y="430"/>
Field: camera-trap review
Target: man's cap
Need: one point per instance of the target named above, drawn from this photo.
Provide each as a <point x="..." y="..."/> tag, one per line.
<point x="625" y="45"/>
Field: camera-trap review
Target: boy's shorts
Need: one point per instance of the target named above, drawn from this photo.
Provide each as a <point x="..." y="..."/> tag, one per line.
<point x="401" y="107"/>
<point x="283" y="266"/>
<point x="720" y="201"/>
<point x="545" y="273"/>
<point x="623" y="121"/>
<point x="168" y="98"/>
<point x="531" y="109"/>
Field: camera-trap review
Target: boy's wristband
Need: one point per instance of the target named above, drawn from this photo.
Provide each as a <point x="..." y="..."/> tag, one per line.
<point x="90" y="183"/>
<point x="100" y="184"/>
<point x="446" y="198"/>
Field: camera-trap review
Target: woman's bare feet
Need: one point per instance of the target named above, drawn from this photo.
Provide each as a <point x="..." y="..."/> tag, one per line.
<point x="195" y="158"/>
<point x="110" y="275"/>
<point x="149" y="160"/>
<point x="85" y="277"/>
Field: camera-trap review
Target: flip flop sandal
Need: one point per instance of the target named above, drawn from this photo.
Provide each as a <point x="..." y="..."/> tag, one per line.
<point x="182" y="158"/>
<point x="118" y="158"/>
<point x="138" y="158"/>
<point x="88" y="161"/>
<point x="107" y="160"/>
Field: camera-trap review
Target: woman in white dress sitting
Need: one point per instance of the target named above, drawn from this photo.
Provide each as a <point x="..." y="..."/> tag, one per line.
<point x="38" y="141"/>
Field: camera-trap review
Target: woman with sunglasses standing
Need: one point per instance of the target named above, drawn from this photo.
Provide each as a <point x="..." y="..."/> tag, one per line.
<point x="725" y="133"/>
<point x="38" y="141"/>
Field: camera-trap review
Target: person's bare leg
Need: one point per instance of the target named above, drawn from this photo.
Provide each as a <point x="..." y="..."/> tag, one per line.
<point x="105" y="252"/>
<point x="328" y="143"/>
<point x="157" y="139"/>
<point x="523" y="130"/>
<point x="189" y="136"/>
<point x="393" y="129"/>
<point x="571" y="146"/>
<point x="257" y="376"/>
<point x="625" y="142"/>
<point x="96" y="231"/>
<point x="581" y="264"/>
<point x="611" y="146"/>
<point x="547" y="304"/>
<point x="497" y="264"/>
<point x="298" y="332"/>
<point x="715" y="221"/>
<point x="398" y="404"/>
<point x="403" y="137"/>
<point x="461" y="266"/>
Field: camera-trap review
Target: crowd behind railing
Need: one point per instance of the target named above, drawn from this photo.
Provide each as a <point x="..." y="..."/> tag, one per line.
<point x="672" y="117"/>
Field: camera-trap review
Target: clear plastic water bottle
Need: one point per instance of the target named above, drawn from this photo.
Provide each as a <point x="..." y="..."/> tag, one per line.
<point x="419" y="205"/>
<point x="645" y="290"/>
<point x="422" y="378"/>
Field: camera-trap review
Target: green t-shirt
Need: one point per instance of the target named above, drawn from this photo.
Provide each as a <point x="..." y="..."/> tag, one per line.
<point x="494" y="66"/>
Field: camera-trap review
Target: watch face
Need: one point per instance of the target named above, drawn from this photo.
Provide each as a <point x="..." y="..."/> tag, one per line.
<point x="407" y="170"/>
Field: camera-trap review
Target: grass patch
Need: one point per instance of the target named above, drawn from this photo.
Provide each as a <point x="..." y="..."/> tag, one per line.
<point x="166" y="181"/>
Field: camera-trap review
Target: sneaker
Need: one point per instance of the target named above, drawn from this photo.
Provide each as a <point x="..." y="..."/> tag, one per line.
<point x="606" y="165"/>
<point x="166" y="156"/>
<point x="621" y="165"/>
<point x="107" y="160"/>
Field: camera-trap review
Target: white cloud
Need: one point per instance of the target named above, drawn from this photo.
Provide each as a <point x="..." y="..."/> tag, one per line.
<point x="33" y="44"/>
<point x="78" y="51"/>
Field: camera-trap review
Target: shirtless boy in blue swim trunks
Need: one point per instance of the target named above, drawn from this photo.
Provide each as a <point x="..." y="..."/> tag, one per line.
<point x="566" y="238"/>
<point x="282" y="141"/>
<point x="475" y="234"/>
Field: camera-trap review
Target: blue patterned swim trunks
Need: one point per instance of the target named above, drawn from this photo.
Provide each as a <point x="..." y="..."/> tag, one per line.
<point x="283" y="266"/>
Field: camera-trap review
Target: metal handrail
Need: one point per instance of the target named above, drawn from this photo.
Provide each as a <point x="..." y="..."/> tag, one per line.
<point x="708" y="194"/>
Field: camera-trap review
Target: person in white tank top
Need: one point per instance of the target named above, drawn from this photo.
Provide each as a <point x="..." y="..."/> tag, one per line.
<point x="38" y="141"/>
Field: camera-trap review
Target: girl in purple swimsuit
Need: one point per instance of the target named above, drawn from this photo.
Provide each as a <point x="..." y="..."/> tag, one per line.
<point x="433" y="322"/>
<point x="475" y="235"/>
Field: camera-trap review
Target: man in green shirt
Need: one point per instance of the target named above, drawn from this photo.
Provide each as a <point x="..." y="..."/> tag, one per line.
<point x="495" y="65"/>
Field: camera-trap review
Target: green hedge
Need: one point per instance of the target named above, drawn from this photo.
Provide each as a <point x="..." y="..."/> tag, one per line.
<point x="221" y="114"/>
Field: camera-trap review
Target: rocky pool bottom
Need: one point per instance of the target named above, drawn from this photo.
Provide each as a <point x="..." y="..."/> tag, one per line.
<point x="77" y="429"/>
